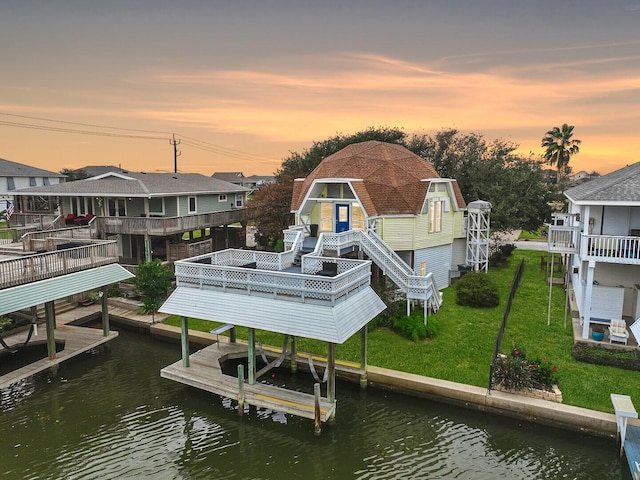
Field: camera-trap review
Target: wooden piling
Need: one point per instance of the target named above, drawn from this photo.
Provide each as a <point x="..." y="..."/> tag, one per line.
<point x="317" y="423"/>
<point x="184" y="338"/>
<point x="240" y="389"/>
<point x="50" y="312"/>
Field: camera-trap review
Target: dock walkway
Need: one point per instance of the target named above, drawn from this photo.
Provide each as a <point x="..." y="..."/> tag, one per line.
<point x="205" y="373"/>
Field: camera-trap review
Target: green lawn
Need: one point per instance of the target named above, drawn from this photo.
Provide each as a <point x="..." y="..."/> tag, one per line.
<point x="462" y="350"/>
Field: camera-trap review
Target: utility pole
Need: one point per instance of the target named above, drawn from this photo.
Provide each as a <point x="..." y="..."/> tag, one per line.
<point x="176" y="153"/>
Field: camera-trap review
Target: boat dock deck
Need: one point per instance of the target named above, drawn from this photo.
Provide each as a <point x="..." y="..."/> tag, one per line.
<point x="77" y="340"/>
<point x="632" y="450"/>
<point x="205" y="373"/>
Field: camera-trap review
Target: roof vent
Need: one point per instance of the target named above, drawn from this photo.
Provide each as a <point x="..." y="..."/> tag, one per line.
<point x="175" y="177"/>
<point x="143" y="173"/>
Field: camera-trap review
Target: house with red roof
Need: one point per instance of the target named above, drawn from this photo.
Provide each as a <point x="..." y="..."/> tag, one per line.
<point x="385" y="190"/>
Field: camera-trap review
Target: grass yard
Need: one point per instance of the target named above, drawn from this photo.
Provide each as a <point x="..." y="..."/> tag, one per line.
<point x="463" y="348"/>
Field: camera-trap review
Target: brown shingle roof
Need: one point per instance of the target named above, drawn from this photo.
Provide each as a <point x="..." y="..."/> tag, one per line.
<point x="391" y="177"/>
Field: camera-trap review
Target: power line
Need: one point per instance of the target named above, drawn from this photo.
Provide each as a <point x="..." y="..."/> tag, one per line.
<point x="81" y="124"/>
<point x="76" y="131"/>
<point x="192" y="142"/>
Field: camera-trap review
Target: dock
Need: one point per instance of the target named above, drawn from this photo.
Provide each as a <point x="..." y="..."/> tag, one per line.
<point x="205" y="373"/>
<point x="77" y="340"/>
<point x="632" y="450"/>
<point x="628" y="431"/>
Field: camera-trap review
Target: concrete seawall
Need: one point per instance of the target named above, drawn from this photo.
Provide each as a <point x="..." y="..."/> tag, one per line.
<point x="477" y="398"/>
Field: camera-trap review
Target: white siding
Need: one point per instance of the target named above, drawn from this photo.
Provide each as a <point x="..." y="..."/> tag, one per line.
<point x="459" y="253"/>
<point x="437" y="261"/>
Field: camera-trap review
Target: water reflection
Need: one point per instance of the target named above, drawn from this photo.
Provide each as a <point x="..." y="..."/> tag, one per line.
<point x="112" y="416"/>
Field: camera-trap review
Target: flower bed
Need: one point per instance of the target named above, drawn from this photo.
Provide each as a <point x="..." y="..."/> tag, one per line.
<point x="533" y="378"/>
<point x="553" y="395"/>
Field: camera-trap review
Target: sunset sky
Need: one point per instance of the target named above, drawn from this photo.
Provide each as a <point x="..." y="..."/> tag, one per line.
<point x="244" y="83"/>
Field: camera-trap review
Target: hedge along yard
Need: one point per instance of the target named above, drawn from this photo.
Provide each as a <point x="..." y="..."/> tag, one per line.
<point x="462" y="349"/>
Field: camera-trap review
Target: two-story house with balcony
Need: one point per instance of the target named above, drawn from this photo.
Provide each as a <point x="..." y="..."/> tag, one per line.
<point x="147" y="211"/>
<point x="15" y="176"/>
<point x="600" y="234"/>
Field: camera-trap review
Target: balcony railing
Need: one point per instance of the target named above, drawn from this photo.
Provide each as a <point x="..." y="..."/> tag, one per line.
<point x="224" y="270"/>
<point x="563" y="239"/>
<point x="162" y="226"/>
<point x="68" y="258"/>
<point x="611" y="249"/>
<point x="39" y="221"/>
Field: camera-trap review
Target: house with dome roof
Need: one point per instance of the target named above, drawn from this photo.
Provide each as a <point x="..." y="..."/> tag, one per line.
<point x="387" y="190"/>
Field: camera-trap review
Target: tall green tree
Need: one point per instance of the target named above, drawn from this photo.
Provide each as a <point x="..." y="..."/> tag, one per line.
<point x="152" y="282"/>
<point x="560" y="147"/>
<point x="491" y="170"/>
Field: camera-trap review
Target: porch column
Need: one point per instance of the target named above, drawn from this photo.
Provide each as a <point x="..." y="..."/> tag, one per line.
<point x="251" y="357"/>
<point x="147" y="248"/>
<point x="105" y="312"/>
<point x="363" y="357"/>
<point x="184" y="340"/>
<point x="586" y="301"/>
<point x="50" y="313"/>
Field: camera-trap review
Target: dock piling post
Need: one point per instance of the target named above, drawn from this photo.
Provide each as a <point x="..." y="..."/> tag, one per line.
<point x="252" y="356"/>
<point x="294" y="352"/>
<point x="240" y="389"/>
<point x="317" y="420"/>
<point x="184" y="338"/>
<point x="105" y="312"/>
<point x="50" y="313"/>
<point x="363" y="357"/>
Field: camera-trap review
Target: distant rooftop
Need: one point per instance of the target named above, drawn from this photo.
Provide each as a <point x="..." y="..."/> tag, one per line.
<point x="14" y="169"/>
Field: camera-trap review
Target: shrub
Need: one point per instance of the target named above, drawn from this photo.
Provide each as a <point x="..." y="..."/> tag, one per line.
<point x="411" y="327"/>
<point x="507" y="249"/>
<point x="597" y="355"/>
<point x="517" y="372"/>
<point x="476" y="289"/>
<point x="498" y="259"/>
<point x="512" y="372"/>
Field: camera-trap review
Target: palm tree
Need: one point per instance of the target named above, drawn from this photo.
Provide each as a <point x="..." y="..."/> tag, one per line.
<point x="559" y="147"/>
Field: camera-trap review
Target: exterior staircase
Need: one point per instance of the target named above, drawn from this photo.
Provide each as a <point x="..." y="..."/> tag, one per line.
<point x="415" y="287"/>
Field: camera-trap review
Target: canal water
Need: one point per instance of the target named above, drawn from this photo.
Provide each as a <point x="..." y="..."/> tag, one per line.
<point x="111" y="416"/>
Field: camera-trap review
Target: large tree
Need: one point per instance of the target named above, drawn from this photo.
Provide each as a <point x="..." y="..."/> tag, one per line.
<point x="514" y="185"/>
<point x="559" y="147"/>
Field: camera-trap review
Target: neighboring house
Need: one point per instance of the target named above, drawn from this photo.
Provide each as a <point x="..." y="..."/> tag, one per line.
<point x="15" y="176"/>
<point x="581" y="177"/>
<point x="146" y="210"/>
<point x="601" y="235"/>
<point x="253" y="182"/>
<point x="387" y="189"/>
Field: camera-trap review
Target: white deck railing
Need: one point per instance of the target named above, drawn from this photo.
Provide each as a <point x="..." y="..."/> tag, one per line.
<point x="416" y="287"/>
<point x="34" y="267"/>
<point x="611" y="249"/>
<point x="563" y="239"/>
<point x="223" y="270"/>
<point x="37" y="240"/>
<point x="601" y="248"/>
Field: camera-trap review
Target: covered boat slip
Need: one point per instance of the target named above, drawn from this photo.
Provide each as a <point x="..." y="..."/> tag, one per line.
<point x="205" y="372"/>
<point x="76" y="340"/>
<point x="240" y="288"/>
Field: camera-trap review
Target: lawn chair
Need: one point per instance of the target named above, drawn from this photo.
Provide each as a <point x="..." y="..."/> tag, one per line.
<point x="618" y="331"/>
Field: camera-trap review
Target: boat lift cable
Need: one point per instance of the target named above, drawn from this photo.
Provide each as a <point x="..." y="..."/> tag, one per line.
<point x="32" y="329"/>
<point x="316" y="377"/>
<point x="277" y="362"/>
